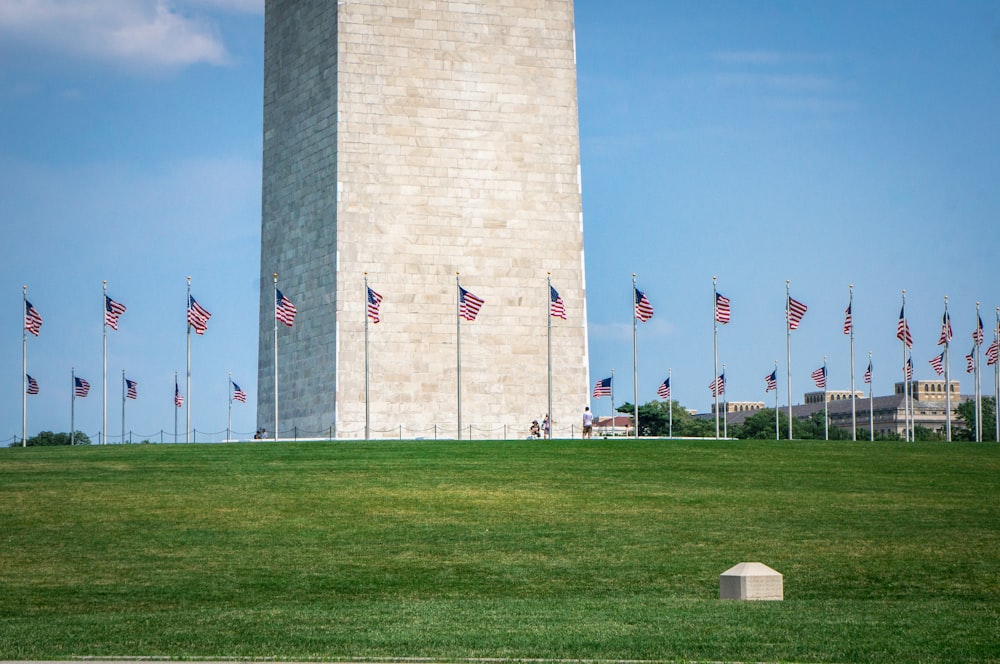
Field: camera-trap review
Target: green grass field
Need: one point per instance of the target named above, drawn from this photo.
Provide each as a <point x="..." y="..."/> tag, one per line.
<point x="605" y="550"/>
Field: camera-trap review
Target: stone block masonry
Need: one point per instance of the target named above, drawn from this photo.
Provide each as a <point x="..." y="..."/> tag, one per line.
<point x="413" y="139"/>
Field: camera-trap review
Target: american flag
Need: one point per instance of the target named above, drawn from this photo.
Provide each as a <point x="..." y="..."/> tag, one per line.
<point x="991" y="354"/>
<point x="602" y="388"/>
<point x="197" y="316"/>
<point x="722" y="311"/>
<point x="903" y="330"/>
<point x="868" y="373"/>
<point x="32" y="385"/>
<point x="112" y="310"/>
<point x="970" y="361"/>
<point x="238" y="394"/>
<point x="80" y="387"/>
<point x="556" y="306"/>
<point x="468" y="304"/>
<point x="643" y="309"/>
<point x="848" y="320"/>
<point x="374" y="303"/>
<point x="977" y="334"/>
<point x="131" y="391"/>
<point x="284" y="310"/>
<point x="178" y="399"/>
<point x="663" y="391"/>
<point x="937" y="363"/>
<point x="945" y="330"/>
<point x="771" y="381"/>
<point x="909" y="368"/>
<point x="32" y="319"/>
<point x="819" y="377"/>
<point x="796" y="310"/>
<point x="718" y="386"/>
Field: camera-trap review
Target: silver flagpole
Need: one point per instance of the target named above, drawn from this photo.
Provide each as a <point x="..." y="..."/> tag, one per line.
<point x="788" y="352"/>
<point x="996" y="378"/>
<point x="871" y="403"/>
<point x="635" y="365"/>
<point x="24" y="372"/>
<point x="979" y="387"/>
<point x="776" y="435"/>
<point x="613" y="403"/>
<point x="104" y="374"/>
<point x="947" y="370"/>
<point x="715" y="345"/>
<point x="670" y="406"/>
<point x="368" y="421"/>
<point x="826" y="403"/>
<point x="176" y="408"/>
<point x="72" y="406"/>
<point x="229" y="427"/>
<point x="906" y="383"/>
<point x="187" y="404"/>
<point x="123" y="406"/>
<point x="854" y="400"/>
<point x="548" y="319"/>
<point x="274" y="300"/>
<point x="458" y="350"/>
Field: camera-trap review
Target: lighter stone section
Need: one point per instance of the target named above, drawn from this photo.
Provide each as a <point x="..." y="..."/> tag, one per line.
<point x="413" y="139"/>
<point x="751" y="581"/>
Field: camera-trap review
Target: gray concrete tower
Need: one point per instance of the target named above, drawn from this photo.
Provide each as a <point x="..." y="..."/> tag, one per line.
<point x="413" y="140"/>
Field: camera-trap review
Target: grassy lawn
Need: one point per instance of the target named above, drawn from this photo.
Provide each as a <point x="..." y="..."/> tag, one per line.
<point x="555" y="550"/>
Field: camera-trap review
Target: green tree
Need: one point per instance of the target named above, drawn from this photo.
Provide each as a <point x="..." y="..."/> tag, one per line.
<point x="655" y="416"/>
<point x="967" y="415"/>
<point x="47" y="438"/>
<point x="760" y="426"/>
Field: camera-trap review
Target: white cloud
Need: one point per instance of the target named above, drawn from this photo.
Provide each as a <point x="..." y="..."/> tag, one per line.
<point x="135" y="33"/>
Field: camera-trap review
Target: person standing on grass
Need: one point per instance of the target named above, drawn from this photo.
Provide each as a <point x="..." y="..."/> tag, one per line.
<point x="588" y="422"/>
<point x="545" y="427"/>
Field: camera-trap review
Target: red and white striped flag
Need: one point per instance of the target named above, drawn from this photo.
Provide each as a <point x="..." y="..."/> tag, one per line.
<point x="284" y="310"/>
<point x="977" y="334"/>
<point x="945" y="330"/>
<point x="374" y="305"/>
<point x="819" y="377"/>
<point x="991" y="354"/>
<point x="469" y="304"/>
<point x="903" y="330"/>
<point x="722" y="311"/>
<point x="771" y="381"/>
<point x="848" y="320"/>
<point x="178" y="399"/>
<point x="908" y="368"/>
<point x="718" y="386"/>
<point x="663" y="391"/>
<point x="556" y="307"/>
<point x="131" y="389"/>
<point x="32" y="385"/>
<point x="197" y="316"/>
<point x="970" y="361"/>
<point x="868" y="373"/>
<point x="643" y="309"/>
<point x="796" y="310"/>
<point x="112" y="310"/>
<point x="32" y="319"/>
<point x="238" y="394"/>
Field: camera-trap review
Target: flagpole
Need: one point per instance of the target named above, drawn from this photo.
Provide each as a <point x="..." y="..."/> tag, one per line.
<point x="947" y="369"/>
<point x="104" y="374"/>
<point x="906" y="383"/>
<point x="979" y="388"/>
<point x="788" y="352"/>
<point x="715" y="345"/>
<point x="635" y="365"/>
<point x="996" y="378"/>
<point x="458" y="350"/>
<point x="776" y="401"/>
<point x="229" y="427"/>
<point x="187" y="407"/>
<point x="548" y="320"/>
<point x="123" y="406"/>
<point x="367" y="411"/>
<point x="826" y="404"/>
<point x="613" y="404"/>
<point x="72" y="406"/>
<point x="854" y="400"/>
<point x="275" y="301"/>
<point x="871" y="403"/>
<point x="24" y="372"/>
<point x="670" y="407"/>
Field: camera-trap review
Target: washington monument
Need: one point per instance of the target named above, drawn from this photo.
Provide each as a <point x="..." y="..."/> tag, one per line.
<point x="421" y="142"/>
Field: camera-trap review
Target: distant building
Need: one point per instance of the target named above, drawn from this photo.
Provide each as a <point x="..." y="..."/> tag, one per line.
<point x="620" y="426"/>
<point x="832" y="395"/>
<point x="739" y="407"/>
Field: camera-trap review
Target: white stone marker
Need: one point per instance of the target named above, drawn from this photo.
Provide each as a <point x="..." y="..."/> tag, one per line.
<point x="751" y="581"/>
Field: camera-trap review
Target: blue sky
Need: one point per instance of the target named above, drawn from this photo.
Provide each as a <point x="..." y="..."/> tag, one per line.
<point x="827" y="143"/>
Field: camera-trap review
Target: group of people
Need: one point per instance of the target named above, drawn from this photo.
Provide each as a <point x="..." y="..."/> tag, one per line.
<point x="536" y="430"/>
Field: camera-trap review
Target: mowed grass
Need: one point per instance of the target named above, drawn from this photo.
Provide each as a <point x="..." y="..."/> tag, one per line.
<point x="597" y="549"/>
